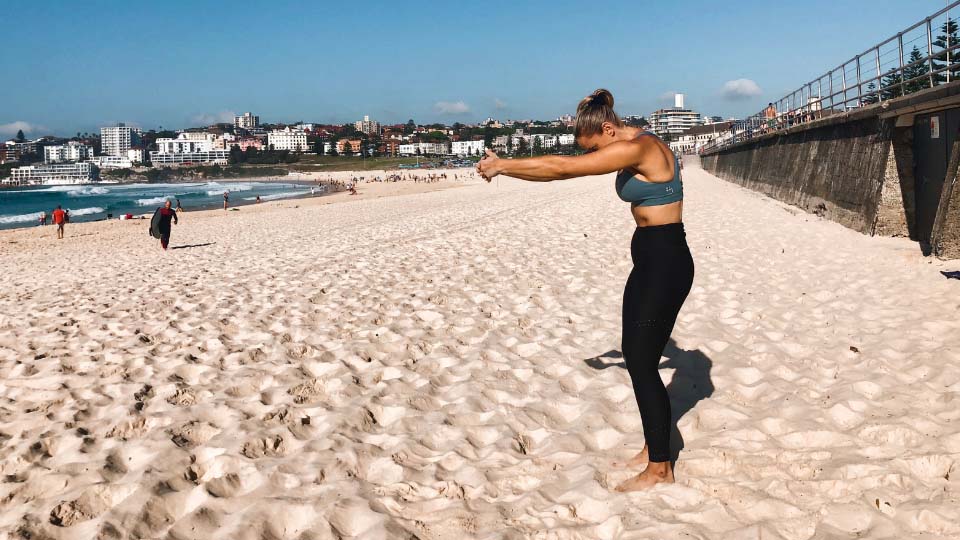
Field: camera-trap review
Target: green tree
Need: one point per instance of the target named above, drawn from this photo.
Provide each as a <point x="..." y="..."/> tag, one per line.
<point x="487" y="136"/>
<point x="522" y="146"/>
<point x="871" y="95"/>
<point x="20" y="136"/>
<point x="890" y="85"/>
<point x="236" y="155"/>
<point x="918" y="72"/>
<point x="947" y="38"/>
<point x="409" y="127"/>
<point x="509" y="144"/>
<point x="537" y="146"/>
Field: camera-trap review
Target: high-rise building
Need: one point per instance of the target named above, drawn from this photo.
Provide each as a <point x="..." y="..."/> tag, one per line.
<point x="115" y="141"/>
<point x="246" y="121"/>
<point x="370" y="127"/>
<point x="675" y="120"/>
<point x="72" y="151"/>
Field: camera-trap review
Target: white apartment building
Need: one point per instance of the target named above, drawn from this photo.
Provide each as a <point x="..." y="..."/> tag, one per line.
<point x="697" y="137"/>
<point x="112" y="162"/>
<point x="180" y="159"/>
<point x="55" y="174"/>
<point x="424" y="148"/>
<point x="466" y="148"/>
<point x="370" y="127"/>
<point x="115" y="141"/>
<point x="287" y="139"/>
<point x="72" y="151"/>
<point x="136" y="155"/>
<point x="192" y="148"/>
<point x="186" y="142"/>
<point x="674" y="121"/>
<point x="246" y="121"/>
<point x="546" y="140"/>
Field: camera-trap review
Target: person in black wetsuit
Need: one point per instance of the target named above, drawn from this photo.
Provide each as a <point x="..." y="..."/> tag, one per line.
<point x="165" y="215"/>
<point x="649" y="179"/>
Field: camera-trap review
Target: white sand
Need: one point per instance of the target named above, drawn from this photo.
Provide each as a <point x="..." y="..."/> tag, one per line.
<point x="430" y="366"/>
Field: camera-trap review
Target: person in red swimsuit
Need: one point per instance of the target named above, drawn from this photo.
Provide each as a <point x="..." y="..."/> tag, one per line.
<point x="59" y="218"/>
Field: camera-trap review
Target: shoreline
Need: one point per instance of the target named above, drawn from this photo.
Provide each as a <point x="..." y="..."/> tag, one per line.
<point x="366" y="189"/>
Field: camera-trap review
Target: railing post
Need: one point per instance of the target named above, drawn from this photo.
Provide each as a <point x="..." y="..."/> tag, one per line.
<point x="948" y="46"/>
<point x="831" y="89"/>
<point x="859" y="85"/>
<point x="843" y="75"/>
<point x="879" y="77"/>
<point x="903" y="85"/>
<point x="930" y="51"/>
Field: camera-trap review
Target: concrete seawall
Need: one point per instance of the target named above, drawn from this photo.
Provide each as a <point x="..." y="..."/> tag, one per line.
<point x="858" y="169"/>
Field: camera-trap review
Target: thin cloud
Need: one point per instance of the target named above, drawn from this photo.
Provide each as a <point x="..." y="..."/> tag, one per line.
<point x="206" y="119"/>
<point x="668" y="96"/>
<point x="11" y="129"/>
<point x="740" y="89"/>
<point x="451" y="107"/>
<point x="499" y="105"/>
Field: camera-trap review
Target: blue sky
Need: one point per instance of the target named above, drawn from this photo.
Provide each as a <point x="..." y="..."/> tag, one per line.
<point x="175" y="63"/>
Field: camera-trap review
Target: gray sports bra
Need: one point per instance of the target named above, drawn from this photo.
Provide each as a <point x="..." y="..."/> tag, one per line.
<point x="642" y="193"/>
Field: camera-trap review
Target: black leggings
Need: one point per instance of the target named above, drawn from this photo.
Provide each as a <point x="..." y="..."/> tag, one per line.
<point x="659" y="283"/>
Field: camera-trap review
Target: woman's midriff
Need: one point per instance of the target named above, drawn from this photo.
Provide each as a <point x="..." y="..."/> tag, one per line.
<point x="647" y="216"/>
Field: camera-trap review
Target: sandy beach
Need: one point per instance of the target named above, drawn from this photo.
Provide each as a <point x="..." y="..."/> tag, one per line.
<point x="441" y="361"/>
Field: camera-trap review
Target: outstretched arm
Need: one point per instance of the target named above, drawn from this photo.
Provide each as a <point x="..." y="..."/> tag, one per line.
<point x="546" y="168"/>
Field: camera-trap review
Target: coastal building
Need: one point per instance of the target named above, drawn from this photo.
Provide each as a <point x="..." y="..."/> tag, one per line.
<point x="243" y="143"/>
<point x="466" y="148"/>
<point x="186" y="159"/>
<point x="112" y="162"/>
<point x="695" y="138"/>
<point x="72" y="151"/>
<point x="137" y="155"/>
<point x="675" y="120"/>
<point x="116" y="140"/>
<point x="368" y="126"/>
<point x="423" y="149"/>
<point x="187" y="143"/>
<point x="287" y="139"/>
<point x="9" y="153"/>
<point x="55" y="174"/>
<point x="14" y="150"/>
<point x="246" y="121"/>
<point x="349" y="146"/>
<point x="390" y="147"/>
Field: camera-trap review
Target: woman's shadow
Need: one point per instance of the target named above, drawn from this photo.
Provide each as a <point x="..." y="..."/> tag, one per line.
<point x="690" y="383"/>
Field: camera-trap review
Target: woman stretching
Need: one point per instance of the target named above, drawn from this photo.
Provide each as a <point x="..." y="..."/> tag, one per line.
<point x="649" y="179"/>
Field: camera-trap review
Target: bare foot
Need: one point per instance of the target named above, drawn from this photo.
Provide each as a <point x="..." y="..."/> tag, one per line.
<point x="655" y="473"/>
<point x="635" y="462"/>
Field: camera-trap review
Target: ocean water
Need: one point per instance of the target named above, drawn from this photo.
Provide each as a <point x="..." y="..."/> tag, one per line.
<point x="21" y="207"/>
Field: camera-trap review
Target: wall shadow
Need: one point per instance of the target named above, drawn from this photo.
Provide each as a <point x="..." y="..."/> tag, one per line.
<point x="691" y="383"/>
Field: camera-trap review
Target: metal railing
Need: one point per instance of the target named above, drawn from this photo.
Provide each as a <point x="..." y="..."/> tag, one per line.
<point x="912" y="60"/>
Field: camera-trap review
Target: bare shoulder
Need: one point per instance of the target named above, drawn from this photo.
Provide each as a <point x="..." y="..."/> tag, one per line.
<point x="656" y="161"/>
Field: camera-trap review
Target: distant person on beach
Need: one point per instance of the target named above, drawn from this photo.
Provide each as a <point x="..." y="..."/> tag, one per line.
<point x="649" y="179"/>
<point x="226" y="199"/>
<point x="179" y="208"/>
<point x="258" y="199"/>
<point x="59" y="219"/>
<point x="160" y="224"/>
<point x="43" y="218"/>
